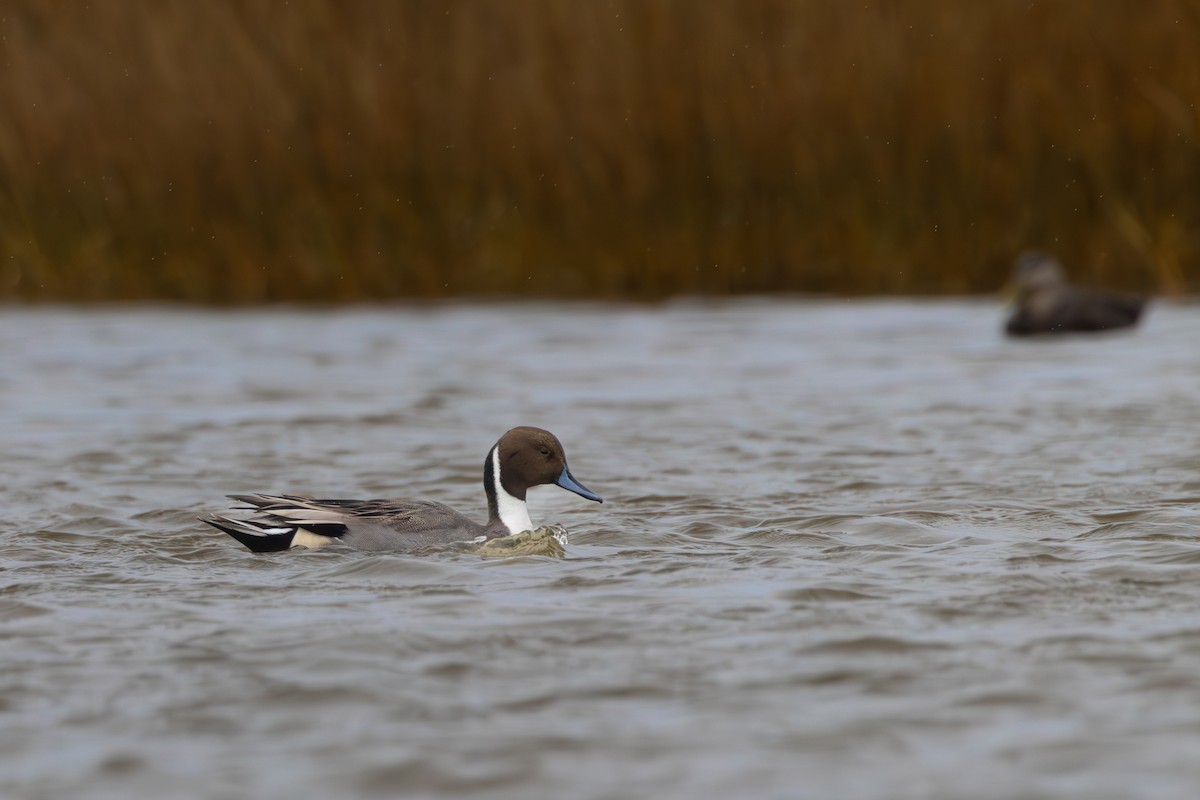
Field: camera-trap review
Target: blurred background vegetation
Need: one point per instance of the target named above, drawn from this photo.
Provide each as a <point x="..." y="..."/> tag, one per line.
<point x="235" y="151"/>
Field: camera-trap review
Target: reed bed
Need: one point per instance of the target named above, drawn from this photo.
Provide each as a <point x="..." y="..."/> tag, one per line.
<point x="235" y="151"/>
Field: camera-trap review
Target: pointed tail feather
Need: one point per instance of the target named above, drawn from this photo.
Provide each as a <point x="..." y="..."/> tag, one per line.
<point x="260" y="539"/>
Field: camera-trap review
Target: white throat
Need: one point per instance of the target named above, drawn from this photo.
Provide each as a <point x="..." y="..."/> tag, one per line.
<point x="513" y="512"/>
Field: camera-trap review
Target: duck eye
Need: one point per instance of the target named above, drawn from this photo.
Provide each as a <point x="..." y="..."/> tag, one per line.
<point x="545" y="452"/>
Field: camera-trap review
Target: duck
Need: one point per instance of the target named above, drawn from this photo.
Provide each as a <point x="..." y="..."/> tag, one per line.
<point x="522" y="458"/>
<point x="1046" y="303"/>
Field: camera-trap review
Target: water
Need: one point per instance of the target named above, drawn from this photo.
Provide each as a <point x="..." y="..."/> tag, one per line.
<point x="853" y="550"/>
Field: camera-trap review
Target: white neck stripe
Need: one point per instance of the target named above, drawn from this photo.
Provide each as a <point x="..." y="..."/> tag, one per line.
<point x="513" y="512"/>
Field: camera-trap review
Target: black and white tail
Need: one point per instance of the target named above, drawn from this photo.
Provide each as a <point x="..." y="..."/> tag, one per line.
<point x="281" y="522"/>
<point x="261" y="537"/>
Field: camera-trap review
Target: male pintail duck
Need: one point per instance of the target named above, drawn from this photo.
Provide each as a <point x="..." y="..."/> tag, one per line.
<point x="1046" y="303"/>
<point x="522" y="458"/>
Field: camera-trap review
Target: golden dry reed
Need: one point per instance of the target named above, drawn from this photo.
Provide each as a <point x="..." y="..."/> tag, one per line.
<point x="241" y="151"/>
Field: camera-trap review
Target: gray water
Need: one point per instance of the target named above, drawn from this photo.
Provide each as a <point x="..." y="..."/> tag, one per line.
<point x="847" y="550"/>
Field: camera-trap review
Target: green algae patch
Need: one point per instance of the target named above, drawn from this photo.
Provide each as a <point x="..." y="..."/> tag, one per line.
<point x="547" y="541"/>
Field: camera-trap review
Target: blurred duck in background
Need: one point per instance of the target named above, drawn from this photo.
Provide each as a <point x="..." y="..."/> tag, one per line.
<point x="1046" y="303"/>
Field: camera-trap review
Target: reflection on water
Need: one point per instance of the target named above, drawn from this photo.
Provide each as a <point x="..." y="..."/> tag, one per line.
<point x="864" y="549"/>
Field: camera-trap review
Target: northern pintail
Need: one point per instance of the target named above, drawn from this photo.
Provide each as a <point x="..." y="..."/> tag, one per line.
<point x="522" y="458"/>
<point x="1046" y="303"/>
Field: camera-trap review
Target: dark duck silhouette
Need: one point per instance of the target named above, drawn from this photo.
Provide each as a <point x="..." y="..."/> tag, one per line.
<point x="1047" y="304"/>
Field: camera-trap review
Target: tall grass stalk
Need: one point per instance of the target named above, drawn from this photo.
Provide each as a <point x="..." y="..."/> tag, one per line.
<point x="324" y="150"/>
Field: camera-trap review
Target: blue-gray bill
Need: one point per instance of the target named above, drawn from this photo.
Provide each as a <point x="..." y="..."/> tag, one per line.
<point x="569" y="483"/>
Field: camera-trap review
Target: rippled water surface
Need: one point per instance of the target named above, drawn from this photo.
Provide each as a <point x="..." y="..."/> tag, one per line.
<point x="847" y="549"/>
